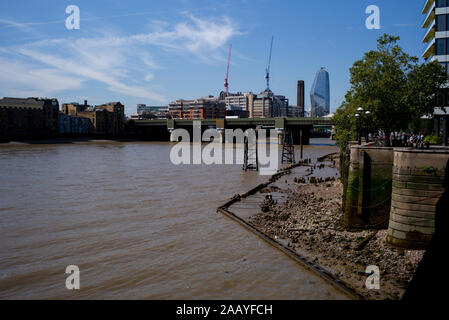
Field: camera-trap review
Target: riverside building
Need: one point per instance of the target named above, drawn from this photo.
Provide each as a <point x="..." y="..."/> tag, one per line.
<point x="29" y="117"/>
<point x="203" y="108"/>
<point x="268" y="105"/>
<point x="236" y="104"/>
<point x="145" y="112"/>
<point x="436" y="40"/>
<point x="104" y="120"/>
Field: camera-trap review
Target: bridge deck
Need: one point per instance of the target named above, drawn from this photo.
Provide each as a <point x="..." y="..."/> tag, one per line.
<point x="223" y="123"/>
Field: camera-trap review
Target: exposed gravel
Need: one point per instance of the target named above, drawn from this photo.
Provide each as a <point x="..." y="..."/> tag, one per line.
<point x="311" y="222"/>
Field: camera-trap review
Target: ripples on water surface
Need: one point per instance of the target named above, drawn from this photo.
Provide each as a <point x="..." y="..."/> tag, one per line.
<point x="137" y="226"/>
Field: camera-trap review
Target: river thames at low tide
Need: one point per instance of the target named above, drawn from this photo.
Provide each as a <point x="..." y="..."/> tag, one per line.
<point x="137" y="226"/>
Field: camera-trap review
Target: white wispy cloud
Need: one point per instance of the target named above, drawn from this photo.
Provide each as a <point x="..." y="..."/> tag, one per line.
<point x="13" y="24"/>
<point x="117" y="61"/>
<point x="19" y="79"/>
<point x="149" y="77"/>
<point x="9" y="23"/>
<point x="107" y="72"/>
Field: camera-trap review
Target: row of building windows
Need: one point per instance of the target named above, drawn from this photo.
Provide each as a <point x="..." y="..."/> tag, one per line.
<point x="446" y="67"/>
<point x="442" y="22"/>
<point x="442" y="46"/>
<point x="442" y="98"/>
<point x="442" y="3"/>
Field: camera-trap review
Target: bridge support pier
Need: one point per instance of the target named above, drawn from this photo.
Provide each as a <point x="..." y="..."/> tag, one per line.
<point x="172" y="135"/>
<point x="222" y="135"/>
<point x="281" y="133"/>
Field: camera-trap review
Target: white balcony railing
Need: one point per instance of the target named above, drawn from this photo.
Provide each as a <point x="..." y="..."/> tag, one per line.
<point x="430" y="16"/>
<point x="430" y="50"/>
<point x="427" y="6"/>
<point x="430" y="33"/>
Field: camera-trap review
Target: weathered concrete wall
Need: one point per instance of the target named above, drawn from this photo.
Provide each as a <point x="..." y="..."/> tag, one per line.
<point x="417" y="187"/>
<point x="368" y="187"/>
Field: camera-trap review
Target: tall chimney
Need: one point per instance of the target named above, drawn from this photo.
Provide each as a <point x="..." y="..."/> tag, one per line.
<point x="300" y="101"/>
<point x="85" y="102"/>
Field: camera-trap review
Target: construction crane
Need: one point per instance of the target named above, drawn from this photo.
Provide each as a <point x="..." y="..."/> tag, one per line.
<point x="267" y="73"/>
<point x="226" y="83"/>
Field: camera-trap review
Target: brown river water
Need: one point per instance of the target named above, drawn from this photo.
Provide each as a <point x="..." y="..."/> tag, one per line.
<point x="137" y="226"/>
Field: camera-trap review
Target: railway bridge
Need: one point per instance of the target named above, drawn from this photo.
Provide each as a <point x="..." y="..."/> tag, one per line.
<point x="161" y="129"/>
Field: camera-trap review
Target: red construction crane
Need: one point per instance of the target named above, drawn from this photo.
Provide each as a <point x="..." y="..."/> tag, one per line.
<point x="226" y="83"/>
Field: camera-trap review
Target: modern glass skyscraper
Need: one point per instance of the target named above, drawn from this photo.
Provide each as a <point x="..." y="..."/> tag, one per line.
<point x="320" y="95"/>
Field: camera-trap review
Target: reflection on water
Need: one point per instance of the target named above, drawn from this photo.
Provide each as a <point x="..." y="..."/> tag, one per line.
<point x="137" y="226"/>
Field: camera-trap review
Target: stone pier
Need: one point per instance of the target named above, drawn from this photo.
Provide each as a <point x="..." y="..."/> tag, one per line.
<point x="368" y="190"/>
<point x="417" y="187"/>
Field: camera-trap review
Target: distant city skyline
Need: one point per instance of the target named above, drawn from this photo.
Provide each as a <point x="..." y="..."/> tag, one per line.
<point x="154" y="53"/>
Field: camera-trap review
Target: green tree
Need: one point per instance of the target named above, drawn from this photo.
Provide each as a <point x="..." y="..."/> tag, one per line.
<point x="393" y="86"/>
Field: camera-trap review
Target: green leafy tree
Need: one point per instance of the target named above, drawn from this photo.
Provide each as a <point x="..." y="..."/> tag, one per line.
<point x="393" y="86"/>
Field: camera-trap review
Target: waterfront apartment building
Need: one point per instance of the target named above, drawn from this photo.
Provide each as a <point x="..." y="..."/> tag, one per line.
<point x="320" y="94"/>
<point x="144" y="108"/>
<point x="104" y="120"/>
<point x="267" y="105"/>
<point x="203" y="108"/>
<point x="238" y="100"/>
<point x="145" y="112"/>
<point x="436" y="40"/>
<point x="236" y="105"/>
<point x="73" y="126"/>
<point x="28" y="117"/>
<point x="263" y="105"/>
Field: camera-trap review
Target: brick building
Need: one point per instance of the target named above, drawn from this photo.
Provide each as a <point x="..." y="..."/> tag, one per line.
<point x="106" y="119"/>
<point x="204" y="108"/>
<point x="28" y="117"/>
<point x="73" y="126"/>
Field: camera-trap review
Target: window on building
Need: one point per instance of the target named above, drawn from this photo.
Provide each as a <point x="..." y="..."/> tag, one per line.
<point x="441" y="47"/>
<point x="444" y="64"/>
<point x="441" y="3"/>
<point x="441" y="22"/>
<point x="442" y="98"/>
<point x="445" y="67"/>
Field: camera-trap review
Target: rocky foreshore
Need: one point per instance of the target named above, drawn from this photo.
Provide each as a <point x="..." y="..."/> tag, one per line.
<point x="310" y="222"/>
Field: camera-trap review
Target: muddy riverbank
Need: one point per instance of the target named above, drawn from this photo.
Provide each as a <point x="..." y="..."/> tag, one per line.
<point x="302" y="212"/>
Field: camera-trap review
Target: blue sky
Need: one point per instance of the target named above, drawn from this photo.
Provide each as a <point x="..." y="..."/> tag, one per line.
<point x="154" y="52"/>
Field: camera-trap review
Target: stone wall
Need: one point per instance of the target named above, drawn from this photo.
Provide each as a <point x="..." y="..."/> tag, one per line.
<point x="417" y="187"/>
<point x="368" y="187"/>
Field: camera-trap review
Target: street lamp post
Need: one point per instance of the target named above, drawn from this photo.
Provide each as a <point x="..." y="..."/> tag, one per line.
<point x="359" y="137"/>
<point x="359" y="115"/>
<point x="367" y="115"/>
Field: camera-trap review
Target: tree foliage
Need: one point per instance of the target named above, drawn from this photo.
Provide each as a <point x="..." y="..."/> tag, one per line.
<point x="393" y="86"/>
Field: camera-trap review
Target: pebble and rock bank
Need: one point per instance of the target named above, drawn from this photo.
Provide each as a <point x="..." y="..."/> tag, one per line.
<point x="308" y="224"/>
